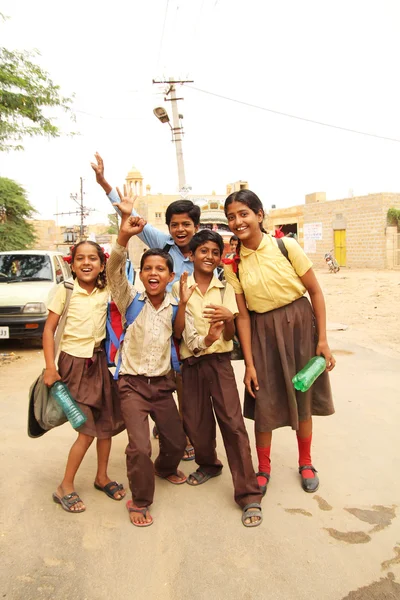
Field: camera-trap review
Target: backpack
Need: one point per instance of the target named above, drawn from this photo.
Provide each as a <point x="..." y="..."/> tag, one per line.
<point x="115" y="332"/>
<point x="43" y="412"/>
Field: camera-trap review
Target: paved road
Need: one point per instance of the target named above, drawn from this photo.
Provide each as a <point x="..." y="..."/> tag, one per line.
<point x="343" y="542"/>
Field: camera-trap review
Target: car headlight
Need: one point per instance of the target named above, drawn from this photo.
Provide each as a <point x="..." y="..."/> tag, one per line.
<point x="35" y="308"/>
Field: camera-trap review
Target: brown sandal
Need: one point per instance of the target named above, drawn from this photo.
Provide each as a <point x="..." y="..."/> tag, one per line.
<point x="143" y="511"/>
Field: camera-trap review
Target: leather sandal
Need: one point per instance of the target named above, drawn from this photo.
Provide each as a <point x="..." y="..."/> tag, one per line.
<point x="111" y="488"/>
<point x="252" y="510"/>
<point x="68" y="501"/>
<point x="309" y="484"/>
<point x="201" y="477"/>
<point x="142" y="511"/>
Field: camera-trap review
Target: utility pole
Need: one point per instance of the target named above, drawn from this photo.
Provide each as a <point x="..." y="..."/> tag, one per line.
<point x="83" y="212"/>
<point x="177" y="128"/>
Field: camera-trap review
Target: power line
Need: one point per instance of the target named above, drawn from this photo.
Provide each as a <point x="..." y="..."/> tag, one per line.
<point x="162" y="35"/>
<point x="283" y="114"/>
<point x="108" y="118"/>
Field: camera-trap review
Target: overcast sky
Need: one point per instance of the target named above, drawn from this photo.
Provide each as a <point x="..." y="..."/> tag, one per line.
<point x="333" y="62"/>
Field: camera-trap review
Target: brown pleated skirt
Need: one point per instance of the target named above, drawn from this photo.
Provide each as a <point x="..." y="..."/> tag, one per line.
<point x="91" y="385"/>
<point x="283" y="341"/>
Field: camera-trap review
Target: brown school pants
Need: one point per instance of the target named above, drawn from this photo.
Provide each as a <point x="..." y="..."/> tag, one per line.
<point x="140" y="397"/>
<point x="209" y="387"/>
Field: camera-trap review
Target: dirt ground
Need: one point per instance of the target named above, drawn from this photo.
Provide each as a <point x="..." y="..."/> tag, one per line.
<point x="368" y="302"/>
<point x="342" y="543"/>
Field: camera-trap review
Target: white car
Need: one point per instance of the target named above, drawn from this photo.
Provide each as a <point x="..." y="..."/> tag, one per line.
<point x="28" y="281"/>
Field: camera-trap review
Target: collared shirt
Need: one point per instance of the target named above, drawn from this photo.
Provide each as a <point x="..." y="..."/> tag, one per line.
<point x="85" y="327"/>
<point x="266" y="278"/>
<point x="196" y="326"/>
<point x="146" y="349"/>
<point x="154" y="238"/>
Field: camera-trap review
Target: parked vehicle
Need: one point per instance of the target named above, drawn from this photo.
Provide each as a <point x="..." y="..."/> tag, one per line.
<point x="28" y="281"/>
<point x="332" y="263"/>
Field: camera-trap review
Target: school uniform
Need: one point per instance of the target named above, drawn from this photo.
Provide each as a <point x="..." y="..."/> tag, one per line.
<point x="82" y="363"/>
<point x="209" y="387"/>
<point x="144" y="386"/>
<point x="283" y="334"/>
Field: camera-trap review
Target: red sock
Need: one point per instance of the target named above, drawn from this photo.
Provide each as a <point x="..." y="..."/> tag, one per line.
<point x="305" y="456"/>
<point x="264" y="463"/>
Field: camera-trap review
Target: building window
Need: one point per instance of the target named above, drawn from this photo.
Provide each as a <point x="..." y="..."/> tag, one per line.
<point x="158" y="215"/>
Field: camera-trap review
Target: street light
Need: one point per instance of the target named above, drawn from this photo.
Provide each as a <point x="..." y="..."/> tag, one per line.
<point x="162" y="115"/>
<point x="177" y="133"/>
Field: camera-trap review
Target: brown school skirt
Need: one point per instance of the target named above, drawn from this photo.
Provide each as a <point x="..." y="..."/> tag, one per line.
<point x="91" y="385"/>
<point x="283" y="341"/>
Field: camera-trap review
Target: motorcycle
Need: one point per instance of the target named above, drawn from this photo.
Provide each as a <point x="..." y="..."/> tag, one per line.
<point x="332" y="263"/>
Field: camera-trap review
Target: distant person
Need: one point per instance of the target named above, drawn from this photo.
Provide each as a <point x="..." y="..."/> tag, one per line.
<point x="82" y="365"/>
<point x="233" y="242"/>
<point x="270" y="282"/>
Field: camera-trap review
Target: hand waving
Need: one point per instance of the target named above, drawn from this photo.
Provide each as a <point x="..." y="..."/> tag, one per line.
<point x="185" y="291"/>
<point x="98" y="168"/>
<point x="125" y="205"/>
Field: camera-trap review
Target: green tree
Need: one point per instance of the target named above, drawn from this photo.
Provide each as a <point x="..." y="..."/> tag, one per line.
<point x="393" y="217"/>
<point x="26" y="91"/>
<point x="15" y="232"/>
<point x="113" y="226"/>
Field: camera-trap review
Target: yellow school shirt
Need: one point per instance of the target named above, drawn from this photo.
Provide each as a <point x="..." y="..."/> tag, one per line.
<point x="267" y="279"/>
<point x="85" y="327"/>
<point x="195" y="307"/>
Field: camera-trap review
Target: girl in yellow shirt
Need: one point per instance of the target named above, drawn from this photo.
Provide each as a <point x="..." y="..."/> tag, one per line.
<point x="82" y="365"/>
<point x="279" y="331"/>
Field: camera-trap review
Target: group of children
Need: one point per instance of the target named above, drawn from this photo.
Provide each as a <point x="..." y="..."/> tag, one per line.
<point x="262" y="298"/>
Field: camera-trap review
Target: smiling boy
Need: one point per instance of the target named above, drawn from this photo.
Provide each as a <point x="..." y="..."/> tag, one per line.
<point x="205" y="318"/>
<point x="143" y="384"/>
<point x="182" y="218"/>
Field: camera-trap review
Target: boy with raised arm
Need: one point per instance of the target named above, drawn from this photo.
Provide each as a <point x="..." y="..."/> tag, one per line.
<point x="143" y="383"/>
<point x="182" y="218"/>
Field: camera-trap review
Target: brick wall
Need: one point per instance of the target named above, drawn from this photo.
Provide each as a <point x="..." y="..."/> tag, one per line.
<point x="364" y="218"/>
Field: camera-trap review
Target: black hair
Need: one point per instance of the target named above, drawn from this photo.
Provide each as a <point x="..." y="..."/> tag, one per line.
<point x="234" y="238"/>
<point x="180" y="207"/>
<point x="101" y="280"/>
<point x="203" y="236"/>
<point x="250" y="199"/>
<point x="158" y="252"/>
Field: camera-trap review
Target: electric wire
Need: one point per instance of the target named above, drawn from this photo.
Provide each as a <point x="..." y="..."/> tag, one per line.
<point x="283" y="114"/>
<point x="162" y="35"/>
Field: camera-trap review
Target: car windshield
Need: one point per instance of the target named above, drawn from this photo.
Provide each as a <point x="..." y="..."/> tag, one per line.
<point x="20" y="267"/>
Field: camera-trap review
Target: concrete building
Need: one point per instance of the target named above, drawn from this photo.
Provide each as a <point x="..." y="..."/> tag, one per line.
<point x="53" y="237"/>
<point x="152" y="207"/>
<point x="355" y="228"/>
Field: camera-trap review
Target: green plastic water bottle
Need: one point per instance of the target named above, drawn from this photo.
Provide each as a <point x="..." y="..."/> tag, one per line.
<point x="62" y="396"/>
<point x="304" y="379"/>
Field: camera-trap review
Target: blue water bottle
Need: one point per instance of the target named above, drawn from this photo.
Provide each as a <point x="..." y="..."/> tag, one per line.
<point x="62" y="396"/>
